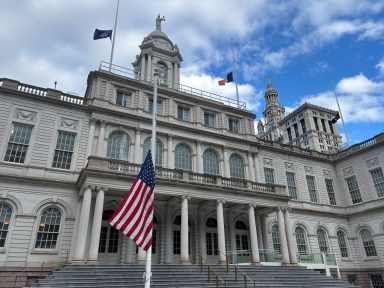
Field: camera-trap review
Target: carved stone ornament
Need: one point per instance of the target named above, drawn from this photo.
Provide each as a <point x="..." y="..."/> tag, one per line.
<point x="348" y="171"/>
<point x="327" y="173"/>
<point x="372" y="162"/>
<point x="289" y="166"/>
<point x="308" y="169"/>
<point x="69" y="123"/>
<point x="26" y="115"/>
<point x="268" y="162"/>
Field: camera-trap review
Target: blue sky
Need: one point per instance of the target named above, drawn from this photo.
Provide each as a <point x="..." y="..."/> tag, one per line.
<point x="307" y="48"/>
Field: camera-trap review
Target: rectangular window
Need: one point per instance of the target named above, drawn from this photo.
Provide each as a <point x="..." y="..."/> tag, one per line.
<point x="289" y="134"/>
<point x="209" y="119"/>
<point x="296" y="130"/>
<point x="18" y="143"/>
<point x="331" y="192"/>
<point x="234" y="125"/>
<point x="378" y="180"/>
<point x="316" y="124"/>
<point x="64" y="150"/>
<point x="352" y="279"/>
<point x="269" y="177"/>
<point x="353" y="188"/>
<point x="331" y="127"/>
<point x="323" y="125"/>
<point x="302" y="123"/>
<point x="182" y="113"/>
<point x="176" y="242"/>
<point x="158" y="107"/>
<point x="123" y="99"/>
<point x="376" y="281"/>
<point x="291" y="183"/>
<point x="154" y="241"/>
<point x="311" y="188"/>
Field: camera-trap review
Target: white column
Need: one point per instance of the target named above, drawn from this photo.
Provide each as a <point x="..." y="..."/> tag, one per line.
<point x="91" y="136"/>
<point x="184" y="255"/>
<point x="256" y="166"/>
<point x="202" y="236"/>
<point x="259" y="233"/>
<point x="251" y="167"/>
<point x="221" y="230"/>
<point x="264" y="231"/>
<point x="288" y="230"/>
<point x="168" y="236"/>
<point x="227" y="173"/>
<point x="253" y="234"/>
<point x="282" y="236"/>
<point x="137" y="147"/>
<point x="100" y="140"/>
<point x="149" y="67"/>
<point x="83" y="225"/>
<point x="199" y="159"/>
<point x="142" y="71"/>
<point x="96" y="225"/>
<point x="170" y="164"/>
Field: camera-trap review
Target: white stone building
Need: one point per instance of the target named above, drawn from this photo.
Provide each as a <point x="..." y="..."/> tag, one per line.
<point x="67" y="162"/>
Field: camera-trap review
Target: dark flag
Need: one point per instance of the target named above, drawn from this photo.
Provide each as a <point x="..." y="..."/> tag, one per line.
<point x="101" y="34"/>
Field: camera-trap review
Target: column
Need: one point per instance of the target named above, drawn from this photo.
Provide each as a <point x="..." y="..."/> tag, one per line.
<point x="175" y="75"/>
<point x="227" y="173"/>
<point x="168" y="236"/>
<point x="170" y="164"/>
<point x="202" y="236"/>
<point x="184" y="255"/>
<point x="91" y="136"/>
<point x="221" y="231"/>
<point x="199" y="159"/>
<point x="256" y="166"/>
<point x="137" y="146"/>
<point x="83" y="225"/>
<point x="253" y="234"/>
<point x="251" y="167"/>
<point x="264" y="231"/>
<point x="259" y="233"/>
<point x="100" y="140"/>
<point x="142" y="71"/>
<point x="282" y="236"/>
<point x="288" y="230"/>
<point x="149" y="67"/>
<point x="96" y="225"/>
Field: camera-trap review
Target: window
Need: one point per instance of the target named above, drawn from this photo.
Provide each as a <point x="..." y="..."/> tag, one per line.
<point x="302" y="123"/>
<point x="311" y="188"/>
<point x="177" y="235"/>
<point x="368" y="243"/>
<point x="323" y="125"/>
<point x="118" y="146"/>
<point x="376" y="281"/>
<point x="331" y="192"/>
<point x="158" y="106"/>
<point x="210" y="162"/>
<point x="296" y="130"/>
<point x="378" y="180"/>
<point x="342" y="243"/>
<point x="331" y="127"/>
<point x="5" y="219"/>
<point x="322" y="239"/>
<point x="49" y="227"/>
<point x="159" y="151"/>
<point x="234" y="125"/>
<point x="18" y="143"/>
<point x="123" y="99"/>
<point x="241" y="236"/>
<point x="354" y="190"/>
<point x="209" y="119"/>
<point x="352" y="279"/>
<point x="182" y="113"/>
<point x="163" y="74"/>
<point x="316" y="123"/>
<point x="236" y="166"/>
<point x="300" y="241"/>
<point x="64" y="150"/>
<point x="291" y="183"/>
<point x="109" y="236"/>
<point x="289" y="134"/>
<point x="183" y="157"/>
<point x="276" y="239"/>
<point x="268" y="174"/>
<point x="211" y="237"/>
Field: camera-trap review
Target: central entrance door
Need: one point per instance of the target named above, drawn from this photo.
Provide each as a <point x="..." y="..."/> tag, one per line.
<point x="109" y="244"/>
<point x="211" y="241"/>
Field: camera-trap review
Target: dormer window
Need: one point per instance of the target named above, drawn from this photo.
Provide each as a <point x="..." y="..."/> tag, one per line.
<point x="124" y="99"/>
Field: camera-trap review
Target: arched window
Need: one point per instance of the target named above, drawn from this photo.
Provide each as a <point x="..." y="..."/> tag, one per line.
<point x="163" y="73"/>
<point x="276" y="239"/>
<point x="49" y="227"/>
<point x="300" y="241"/>
<point x="5" y="219"/>
<point x="322" y="239"/>
<point x="159" y="151"/>
<point x="118" y="146"/>
<point x="368" y="243"/>
<point x="342" y="243"/>
<point x="210" y="162"/>
<point x="183" y="157"/>
<point x="236" y="166"/>
<point x="240" y="225"/>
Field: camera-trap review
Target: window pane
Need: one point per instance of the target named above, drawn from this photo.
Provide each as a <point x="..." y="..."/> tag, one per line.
<point x="311" y="188"/>
<point x="234" y="125"/>
<point x="18" y="143"/>
<point x="183" y="157"/>
<point x="209" y="120"/>
<point x="118" y="146"/>
<point x="331" y="192"/>
<point x="354" y="190"/>
<point x="378" y="180"/>
<point x="322" y="239"/>
<point x="49" y="227"/>
<point x="342" y="244"/>
<point x="210" y="162"/>
<point x="64" y="150"/>
<point x="269" y="177"/>
<point x="291" y="183"/>
<point x="300" y="240"/>
<point x="159" y="151"/>
<point x="123" y="99"/>
<point x="236" y="166"/>
<point x="376" y="281"/>
<point x="368" y="243"/>
<point x="158" y="107"/>
<point x="176" y="242"/>
<point x="5" y="219"/>
<point x="276" y="239"/>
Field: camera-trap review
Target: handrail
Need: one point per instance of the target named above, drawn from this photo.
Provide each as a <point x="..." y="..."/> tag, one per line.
<point x="20" y="273"/>
<point x="226" y="259"/>
<point x="209" y="272"/>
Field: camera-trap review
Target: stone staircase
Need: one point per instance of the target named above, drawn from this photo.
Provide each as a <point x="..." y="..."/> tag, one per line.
<point x="185" y="276"/>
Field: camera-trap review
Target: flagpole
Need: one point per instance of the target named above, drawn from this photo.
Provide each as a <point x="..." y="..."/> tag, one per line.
<point x="114" y="35"/>
<point x="341" y="116"/>
<point x="234" y="70"/>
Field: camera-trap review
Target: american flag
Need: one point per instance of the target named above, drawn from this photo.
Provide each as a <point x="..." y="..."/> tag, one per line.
<point x="134" y="216"/>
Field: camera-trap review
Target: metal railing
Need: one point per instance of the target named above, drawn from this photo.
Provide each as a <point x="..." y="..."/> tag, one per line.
<point x="209" y="269"/>
<point x="21" y="273"/>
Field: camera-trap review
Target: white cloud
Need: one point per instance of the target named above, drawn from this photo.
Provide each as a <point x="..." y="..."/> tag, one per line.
<point x="380" y="66"/>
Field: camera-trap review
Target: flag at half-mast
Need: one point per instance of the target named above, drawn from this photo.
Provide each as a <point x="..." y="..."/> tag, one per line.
<point x="134" y="216"/>
<point x="227" y="79"/>
<point x="101" y="34"/>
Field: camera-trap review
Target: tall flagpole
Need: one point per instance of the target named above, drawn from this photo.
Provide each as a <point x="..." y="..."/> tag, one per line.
<point x="114" y="35"/>
<point x="234" y="71"/>
<point x="341" y="116"/>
